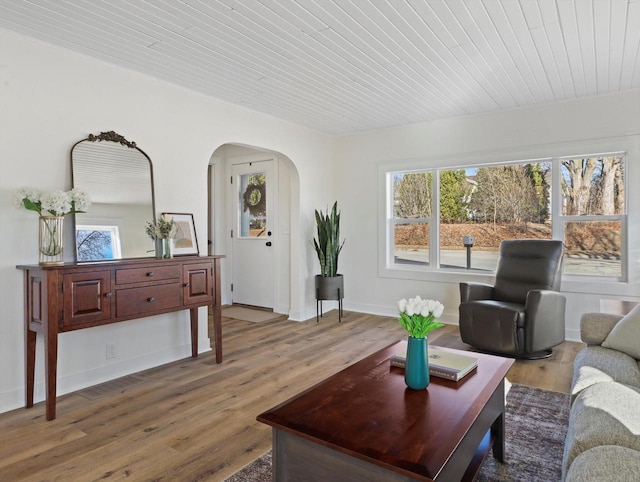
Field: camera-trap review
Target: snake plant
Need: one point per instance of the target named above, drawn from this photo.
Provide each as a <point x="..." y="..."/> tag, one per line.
<point x="327" y="243"/>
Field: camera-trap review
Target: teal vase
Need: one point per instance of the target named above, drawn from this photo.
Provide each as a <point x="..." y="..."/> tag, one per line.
<point x="416" y="370"/>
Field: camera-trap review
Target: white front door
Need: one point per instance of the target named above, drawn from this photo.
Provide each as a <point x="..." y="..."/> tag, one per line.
<point x="253" y="281"/>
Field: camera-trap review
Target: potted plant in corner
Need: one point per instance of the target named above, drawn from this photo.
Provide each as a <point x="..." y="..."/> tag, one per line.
<point x="329" y="284"/>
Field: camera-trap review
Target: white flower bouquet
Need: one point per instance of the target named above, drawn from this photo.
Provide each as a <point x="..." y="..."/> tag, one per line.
<point x="51" y="203"/>
<point x="418" y="316"/>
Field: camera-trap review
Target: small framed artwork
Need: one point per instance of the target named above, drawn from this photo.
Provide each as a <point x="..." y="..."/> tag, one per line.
<point x="186" y="240"/>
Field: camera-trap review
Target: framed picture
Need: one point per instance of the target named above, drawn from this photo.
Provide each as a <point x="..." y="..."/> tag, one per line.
<point x="186" y="240"/>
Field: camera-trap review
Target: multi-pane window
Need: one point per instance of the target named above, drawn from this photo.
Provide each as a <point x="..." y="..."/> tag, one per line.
<point x="456" y="218"/>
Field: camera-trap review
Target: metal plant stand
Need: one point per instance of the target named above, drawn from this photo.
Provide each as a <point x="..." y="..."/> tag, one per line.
<point x="329" y="288"/>
<point x="319" y="312"/>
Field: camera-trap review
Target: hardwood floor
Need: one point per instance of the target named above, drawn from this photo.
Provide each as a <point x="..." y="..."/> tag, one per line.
<point x="193" y="420"/>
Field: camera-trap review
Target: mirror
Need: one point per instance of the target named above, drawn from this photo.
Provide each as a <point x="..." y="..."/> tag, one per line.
<point x="118" y="176"/>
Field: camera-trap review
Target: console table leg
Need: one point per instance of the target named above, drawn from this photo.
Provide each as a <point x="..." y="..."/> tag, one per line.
<point x="194" y="332"/>
<point x="217" y="330"/>
<point x="217" y="312"/>
<point x="30" y="364"/>
<point x="51" y="369"/>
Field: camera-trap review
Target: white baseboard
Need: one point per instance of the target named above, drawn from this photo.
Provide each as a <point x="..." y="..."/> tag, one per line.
<point x="572" y="335"/>
<point x="392" y="311"/>
<point x="447" y="318"/>
<point x="15" y="398"/>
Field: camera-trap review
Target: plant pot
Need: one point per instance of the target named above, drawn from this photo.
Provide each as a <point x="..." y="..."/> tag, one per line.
<point x="329" y="287"/>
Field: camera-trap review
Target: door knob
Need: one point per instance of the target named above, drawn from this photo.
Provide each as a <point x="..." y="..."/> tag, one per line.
<point x="268" y="243"/>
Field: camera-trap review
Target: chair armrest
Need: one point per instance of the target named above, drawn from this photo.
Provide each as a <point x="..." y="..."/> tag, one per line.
<point x="475" y="291"/>
<point x="595" y="327"/>
<point x="544" y="319"/>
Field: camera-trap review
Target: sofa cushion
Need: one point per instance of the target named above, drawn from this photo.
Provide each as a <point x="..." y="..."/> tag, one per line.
<point x="608" y="463"/>
<point x="625" y="336"/>
<point x="603" y="414"/>
<point x="595" y="364"/>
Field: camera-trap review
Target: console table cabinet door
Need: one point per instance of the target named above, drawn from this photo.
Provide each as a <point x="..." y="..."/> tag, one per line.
<point x="198" y="283"/>
<point x="87" y="298"/>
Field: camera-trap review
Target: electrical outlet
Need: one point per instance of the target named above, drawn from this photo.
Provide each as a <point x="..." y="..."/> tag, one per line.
<point x="111" y="350"/>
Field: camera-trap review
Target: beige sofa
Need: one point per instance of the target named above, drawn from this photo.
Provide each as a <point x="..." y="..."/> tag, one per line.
<point x="603" y="439"/>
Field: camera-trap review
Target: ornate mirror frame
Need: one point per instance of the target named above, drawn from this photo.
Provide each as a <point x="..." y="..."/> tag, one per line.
<point x="129" y="223"/>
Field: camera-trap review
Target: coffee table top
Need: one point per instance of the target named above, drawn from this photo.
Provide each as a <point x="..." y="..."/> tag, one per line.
<point x="367" y="411"/>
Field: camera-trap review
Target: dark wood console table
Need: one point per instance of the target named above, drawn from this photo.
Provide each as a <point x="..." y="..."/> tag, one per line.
<point x="74" y="296"/>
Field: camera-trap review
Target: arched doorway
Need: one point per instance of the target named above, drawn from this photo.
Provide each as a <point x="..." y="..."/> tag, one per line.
<point x="243" y="182"/>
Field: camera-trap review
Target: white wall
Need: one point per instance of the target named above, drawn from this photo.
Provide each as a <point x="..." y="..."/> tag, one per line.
<point x="49" y="99"/>
<point x="576" y="127"/>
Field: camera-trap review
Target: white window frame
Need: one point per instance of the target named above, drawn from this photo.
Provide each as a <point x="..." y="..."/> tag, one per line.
<point x="435" y="211"/>
<point x="628" y="146"/>
<point x="558" y="226"/>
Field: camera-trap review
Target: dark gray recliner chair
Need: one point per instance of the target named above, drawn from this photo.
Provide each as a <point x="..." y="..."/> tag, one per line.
<point x="522" y="315"/>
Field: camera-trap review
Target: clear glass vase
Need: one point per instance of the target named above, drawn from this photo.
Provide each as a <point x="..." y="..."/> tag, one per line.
<point x="50" y="239"/>
<point x="167" y="248"/>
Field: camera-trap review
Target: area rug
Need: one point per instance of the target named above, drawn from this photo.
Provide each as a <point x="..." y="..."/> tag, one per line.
<point x="536" y="425"/>
<point x="248" y="314"/>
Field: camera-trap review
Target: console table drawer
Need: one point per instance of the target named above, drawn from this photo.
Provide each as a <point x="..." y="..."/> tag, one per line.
<point x="153" y="273"/>
<point x="148" y="300"/>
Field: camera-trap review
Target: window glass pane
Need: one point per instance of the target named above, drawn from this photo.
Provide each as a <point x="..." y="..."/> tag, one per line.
<point x="253" y="202"/>
<point x="412" y="195"/>
<point x="491" y="204"/>
<point x="593" y="186"/>
<point x="412" y="208"/>
<point x="411" y="244"/>
<point x="593" y="248"/>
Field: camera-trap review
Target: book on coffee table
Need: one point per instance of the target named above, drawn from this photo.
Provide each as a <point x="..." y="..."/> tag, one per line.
<point x="444" y="364"/>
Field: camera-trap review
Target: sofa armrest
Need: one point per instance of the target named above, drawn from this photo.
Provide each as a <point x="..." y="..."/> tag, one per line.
<point x="594" y="327"/>
<point x="475" y="291"/>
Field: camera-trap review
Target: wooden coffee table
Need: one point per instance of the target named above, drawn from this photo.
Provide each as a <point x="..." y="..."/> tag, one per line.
<point x="363" y="424"/>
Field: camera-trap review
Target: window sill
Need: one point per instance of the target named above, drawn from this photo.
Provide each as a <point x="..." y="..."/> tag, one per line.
<point x="570" y="284"/>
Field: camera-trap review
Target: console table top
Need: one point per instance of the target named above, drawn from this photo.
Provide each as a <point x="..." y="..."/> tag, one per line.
<point x="112" y="262"/>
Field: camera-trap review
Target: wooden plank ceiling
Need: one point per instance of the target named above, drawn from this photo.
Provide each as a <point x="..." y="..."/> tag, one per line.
<point x="344" y="66"/>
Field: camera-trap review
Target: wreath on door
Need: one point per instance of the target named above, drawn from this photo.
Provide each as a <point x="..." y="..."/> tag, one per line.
<point x="255" y="198"/>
